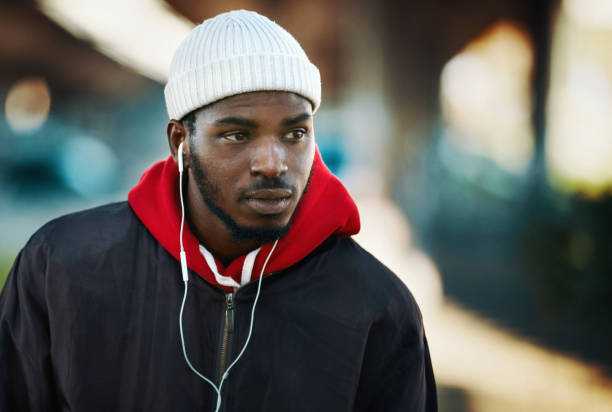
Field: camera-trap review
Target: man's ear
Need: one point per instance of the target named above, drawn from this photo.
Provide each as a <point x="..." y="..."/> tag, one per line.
<point x="177" y="134"/>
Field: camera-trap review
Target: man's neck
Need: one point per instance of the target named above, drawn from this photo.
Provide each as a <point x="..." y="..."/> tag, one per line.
<point x="214" y="234"/>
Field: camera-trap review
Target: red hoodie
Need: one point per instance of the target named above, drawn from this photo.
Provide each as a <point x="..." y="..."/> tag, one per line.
<point x="325" y="209"/>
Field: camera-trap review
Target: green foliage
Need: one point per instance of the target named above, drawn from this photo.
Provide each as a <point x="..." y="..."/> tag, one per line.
<point x="6" y="261"/>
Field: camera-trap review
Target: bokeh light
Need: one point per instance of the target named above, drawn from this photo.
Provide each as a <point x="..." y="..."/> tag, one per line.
<point x="579" y="138"/>
<point x="485" y="97"/>
<point x="590" y="13"/>
<point x="27" y="104"/>
<point x="88" y="166"/>
<point x="142" y="34"/>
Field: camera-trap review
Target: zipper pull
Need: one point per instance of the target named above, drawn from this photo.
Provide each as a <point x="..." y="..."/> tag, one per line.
<point x="229" y="300"/>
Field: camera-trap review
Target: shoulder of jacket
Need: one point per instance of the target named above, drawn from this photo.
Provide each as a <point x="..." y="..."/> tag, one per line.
<point x="79" y="228"/>
<point x="75" y="240"/>
<point x="362" y="272"/>
<point x="361" y="264"/>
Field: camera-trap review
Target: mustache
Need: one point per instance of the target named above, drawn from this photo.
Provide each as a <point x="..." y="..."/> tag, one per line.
<point x="274" y="183"/>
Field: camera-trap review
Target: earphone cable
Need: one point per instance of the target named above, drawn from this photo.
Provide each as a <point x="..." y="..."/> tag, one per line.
<point x="184" y="271"/>
<point x="226" y="374"/>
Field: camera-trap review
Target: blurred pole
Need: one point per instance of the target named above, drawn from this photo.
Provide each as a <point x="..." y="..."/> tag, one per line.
<point x="540" y="24"/>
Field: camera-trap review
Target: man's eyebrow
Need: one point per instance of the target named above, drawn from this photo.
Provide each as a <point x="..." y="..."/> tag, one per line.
<point x="238" y="121"/>
<point x="296" y="119"/>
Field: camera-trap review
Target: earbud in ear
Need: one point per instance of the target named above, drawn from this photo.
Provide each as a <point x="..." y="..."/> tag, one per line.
<point x="180" y="157"/>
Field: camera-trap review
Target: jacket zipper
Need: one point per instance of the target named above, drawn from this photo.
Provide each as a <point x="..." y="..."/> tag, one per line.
<point x="228" y="332"/>
<point x="228" y="329"/>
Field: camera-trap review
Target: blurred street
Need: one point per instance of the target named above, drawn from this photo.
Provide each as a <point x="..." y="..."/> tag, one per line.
<point x="479" y="365"/>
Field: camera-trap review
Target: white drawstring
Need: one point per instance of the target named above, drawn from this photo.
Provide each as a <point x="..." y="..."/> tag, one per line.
<point x="247" y="268"/>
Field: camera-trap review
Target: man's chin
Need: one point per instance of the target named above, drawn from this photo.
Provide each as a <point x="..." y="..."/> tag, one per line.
<point x="260" y="234"/>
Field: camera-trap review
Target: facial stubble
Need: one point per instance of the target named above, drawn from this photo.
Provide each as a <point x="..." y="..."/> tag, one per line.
<point x="209" y="191"/>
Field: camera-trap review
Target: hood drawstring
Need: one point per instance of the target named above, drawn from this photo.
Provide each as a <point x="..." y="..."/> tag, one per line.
<point x="247" y="268"/>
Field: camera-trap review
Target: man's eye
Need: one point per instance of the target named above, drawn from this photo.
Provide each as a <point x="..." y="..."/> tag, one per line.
<point x="235" y="137"/>
<point x="295" y="134"/>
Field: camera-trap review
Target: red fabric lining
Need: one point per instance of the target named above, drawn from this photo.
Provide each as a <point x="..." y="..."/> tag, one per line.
<point x="325" y="209"/>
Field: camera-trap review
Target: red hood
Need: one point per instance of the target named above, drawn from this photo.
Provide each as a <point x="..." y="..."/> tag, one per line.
<point x="325" y="209"/>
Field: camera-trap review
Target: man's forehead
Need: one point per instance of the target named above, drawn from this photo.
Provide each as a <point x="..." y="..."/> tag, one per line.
<point x="254" y="103"/>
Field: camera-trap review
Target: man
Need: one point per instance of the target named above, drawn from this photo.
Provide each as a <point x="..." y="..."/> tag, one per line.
<point x="275" y="307"/>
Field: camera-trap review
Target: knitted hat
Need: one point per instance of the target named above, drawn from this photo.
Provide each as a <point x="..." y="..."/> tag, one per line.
<point x="237" y="52"/>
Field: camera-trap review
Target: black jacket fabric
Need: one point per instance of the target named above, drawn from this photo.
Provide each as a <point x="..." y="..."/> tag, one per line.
<point x="89" y="321"/>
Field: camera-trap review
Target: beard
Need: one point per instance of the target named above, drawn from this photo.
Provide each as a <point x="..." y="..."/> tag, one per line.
<point x="209" y="192"/>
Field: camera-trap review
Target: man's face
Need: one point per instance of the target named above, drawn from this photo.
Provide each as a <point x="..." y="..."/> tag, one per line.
<point x="251" y="156"/>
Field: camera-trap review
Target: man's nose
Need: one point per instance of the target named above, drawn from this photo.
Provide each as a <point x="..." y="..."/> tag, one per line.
<point x="269" y="158"/>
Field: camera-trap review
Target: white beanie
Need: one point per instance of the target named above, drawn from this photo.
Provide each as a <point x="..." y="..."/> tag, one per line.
<point x="237" y="52"/>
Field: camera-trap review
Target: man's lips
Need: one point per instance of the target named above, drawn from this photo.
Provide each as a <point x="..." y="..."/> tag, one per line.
<point x="268" y="201"/>
<point x="268" y="194"/>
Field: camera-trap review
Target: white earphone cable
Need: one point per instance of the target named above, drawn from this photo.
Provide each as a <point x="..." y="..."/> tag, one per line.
<point x="248" y="339"/>
<point x="184" y="271"/>
<point x="182" y="210"/>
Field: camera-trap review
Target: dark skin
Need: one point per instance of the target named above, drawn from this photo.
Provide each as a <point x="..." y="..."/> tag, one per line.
<point x="257" y="150"/>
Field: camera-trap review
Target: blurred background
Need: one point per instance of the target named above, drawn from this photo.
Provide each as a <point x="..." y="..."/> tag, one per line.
<point x="476" y="137"/>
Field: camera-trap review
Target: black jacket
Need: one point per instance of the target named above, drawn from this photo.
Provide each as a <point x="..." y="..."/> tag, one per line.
<point x="89" y="322"/>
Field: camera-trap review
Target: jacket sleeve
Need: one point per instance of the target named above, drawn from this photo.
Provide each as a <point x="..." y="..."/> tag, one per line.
<point x="25" y="366"/>
<point x="397" y="373"/>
